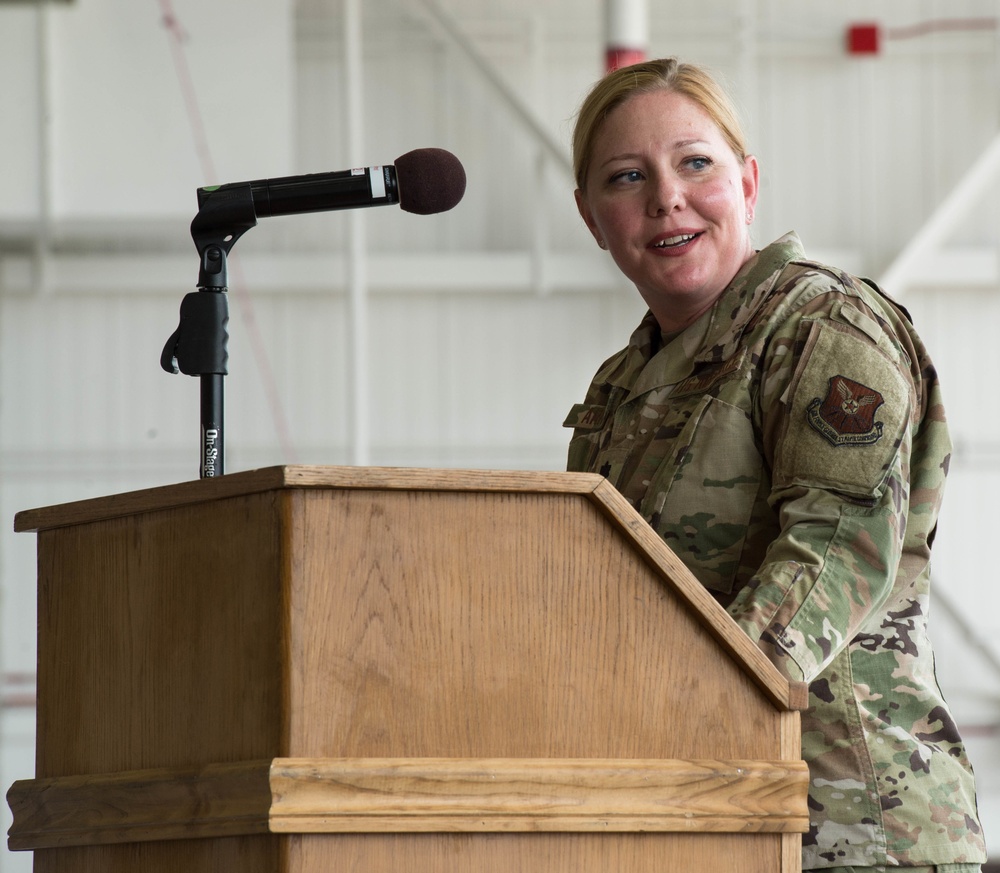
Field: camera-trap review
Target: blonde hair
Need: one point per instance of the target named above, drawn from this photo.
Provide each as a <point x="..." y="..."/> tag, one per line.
<point x="666" y="74"/>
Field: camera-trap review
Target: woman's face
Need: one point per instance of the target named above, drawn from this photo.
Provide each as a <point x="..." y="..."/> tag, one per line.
<point x="670" y="200"/>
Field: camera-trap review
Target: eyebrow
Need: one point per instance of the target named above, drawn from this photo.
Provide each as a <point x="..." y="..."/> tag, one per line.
<point x="683" y="143"/>
<point x="631" y="156"/>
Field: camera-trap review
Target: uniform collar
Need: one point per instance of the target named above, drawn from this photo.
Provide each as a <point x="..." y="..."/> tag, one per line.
<point x="646" y="363"/>
<point x="744" y="296"/>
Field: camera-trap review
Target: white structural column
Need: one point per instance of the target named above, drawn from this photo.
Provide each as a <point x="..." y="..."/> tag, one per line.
<point x="357" y="260"/>
<point x="43" y="57"/>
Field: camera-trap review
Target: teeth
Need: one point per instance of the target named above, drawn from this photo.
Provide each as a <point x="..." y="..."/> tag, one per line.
<point x="675" y="240"/>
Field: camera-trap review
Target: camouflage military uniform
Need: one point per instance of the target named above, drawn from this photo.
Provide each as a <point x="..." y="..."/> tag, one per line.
<point x="791" y="447"/>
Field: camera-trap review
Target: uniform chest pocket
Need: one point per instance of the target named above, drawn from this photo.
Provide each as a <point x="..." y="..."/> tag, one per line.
<point x="701" y="500"/>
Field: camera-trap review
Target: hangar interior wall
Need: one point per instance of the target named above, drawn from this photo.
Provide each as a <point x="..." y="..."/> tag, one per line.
<point x="456" y="340"/>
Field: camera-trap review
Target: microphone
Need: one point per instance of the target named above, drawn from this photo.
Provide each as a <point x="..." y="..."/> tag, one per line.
<point x="423" y="181"/>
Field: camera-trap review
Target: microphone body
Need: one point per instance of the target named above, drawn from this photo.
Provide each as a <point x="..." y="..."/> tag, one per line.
<point x="313" y="192"/>
<point x="423" y="181"/>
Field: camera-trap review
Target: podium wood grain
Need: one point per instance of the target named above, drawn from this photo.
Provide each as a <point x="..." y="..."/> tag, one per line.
<point x="324" y="613"/>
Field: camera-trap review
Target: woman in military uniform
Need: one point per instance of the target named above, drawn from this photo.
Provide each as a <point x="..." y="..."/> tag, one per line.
<point x="779" y="423"/>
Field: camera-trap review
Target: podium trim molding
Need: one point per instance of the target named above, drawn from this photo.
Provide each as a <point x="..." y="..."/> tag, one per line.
<point x="411" y="795"/>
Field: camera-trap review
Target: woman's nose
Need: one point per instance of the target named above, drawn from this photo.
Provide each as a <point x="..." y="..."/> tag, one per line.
<point x="665" y="194"/>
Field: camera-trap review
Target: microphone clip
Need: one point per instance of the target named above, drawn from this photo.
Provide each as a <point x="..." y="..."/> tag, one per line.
<point x="225" y="213"/>
<point x="198" y="346"/>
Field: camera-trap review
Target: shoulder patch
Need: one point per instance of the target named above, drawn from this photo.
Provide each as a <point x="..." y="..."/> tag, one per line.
<point x="848" y="411"/>
<point x="846" y="416"/>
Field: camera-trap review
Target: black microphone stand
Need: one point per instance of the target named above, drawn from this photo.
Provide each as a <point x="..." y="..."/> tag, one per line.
<point x="198" y="346"/>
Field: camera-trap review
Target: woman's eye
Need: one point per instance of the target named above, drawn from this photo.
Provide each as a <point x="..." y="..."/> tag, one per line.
<point x="698" y="162"/>
<point x="627" y="176"/>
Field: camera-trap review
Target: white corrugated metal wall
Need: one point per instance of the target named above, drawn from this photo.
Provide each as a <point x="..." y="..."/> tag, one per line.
<point x="485" y="323"/>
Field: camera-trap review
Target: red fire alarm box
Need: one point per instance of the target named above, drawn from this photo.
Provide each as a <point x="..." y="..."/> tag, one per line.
<point x="863" y="39"/>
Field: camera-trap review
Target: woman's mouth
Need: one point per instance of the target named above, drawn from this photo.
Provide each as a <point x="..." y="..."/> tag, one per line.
<point x="674" y="242"/>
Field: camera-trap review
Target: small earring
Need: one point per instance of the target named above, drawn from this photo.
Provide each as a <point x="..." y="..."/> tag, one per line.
<point x="602" y="243"/>
<point x="749" y="217"/>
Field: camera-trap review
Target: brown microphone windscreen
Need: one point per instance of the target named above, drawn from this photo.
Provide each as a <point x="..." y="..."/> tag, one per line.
<point x="430" y="180"/>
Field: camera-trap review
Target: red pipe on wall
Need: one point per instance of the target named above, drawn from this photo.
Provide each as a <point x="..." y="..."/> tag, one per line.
<point x="626" y="28"/>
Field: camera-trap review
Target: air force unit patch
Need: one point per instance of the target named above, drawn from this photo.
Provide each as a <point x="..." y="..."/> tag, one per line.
<point x="831" y="438"/>
<point x="846" y="416"/>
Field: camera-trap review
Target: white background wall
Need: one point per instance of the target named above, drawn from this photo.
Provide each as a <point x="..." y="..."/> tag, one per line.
<point x="482" y="325"/>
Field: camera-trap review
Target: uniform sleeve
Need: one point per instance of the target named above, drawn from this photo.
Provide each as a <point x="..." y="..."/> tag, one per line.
<point x="836" y="406"/>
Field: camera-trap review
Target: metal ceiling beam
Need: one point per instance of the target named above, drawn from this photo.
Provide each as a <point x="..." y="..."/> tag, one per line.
<point x="289" y="273"/>
<point x="450" y="32"/>
<point x="913" y="260"/>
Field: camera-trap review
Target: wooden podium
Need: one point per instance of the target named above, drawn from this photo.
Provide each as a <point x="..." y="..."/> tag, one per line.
<point x="313" y="669"/>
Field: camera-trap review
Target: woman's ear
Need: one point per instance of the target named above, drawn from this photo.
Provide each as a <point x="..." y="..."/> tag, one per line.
<point x="751" y="182"/>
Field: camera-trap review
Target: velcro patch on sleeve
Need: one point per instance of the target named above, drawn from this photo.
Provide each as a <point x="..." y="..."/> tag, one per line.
<point x="849" y="409"/>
